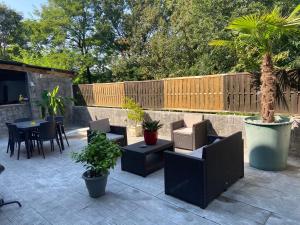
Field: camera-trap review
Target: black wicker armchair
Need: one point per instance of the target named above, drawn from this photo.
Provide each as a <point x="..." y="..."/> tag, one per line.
<point x="115" y="133"/>
<point x="201" y="178"/>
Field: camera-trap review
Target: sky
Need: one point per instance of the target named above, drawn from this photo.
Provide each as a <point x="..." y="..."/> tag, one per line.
<point x="25" y="7"/>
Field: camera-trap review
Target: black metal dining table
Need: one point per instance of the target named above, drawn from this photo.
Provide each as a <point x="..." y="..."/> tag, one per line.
<point x="27" y="127"/>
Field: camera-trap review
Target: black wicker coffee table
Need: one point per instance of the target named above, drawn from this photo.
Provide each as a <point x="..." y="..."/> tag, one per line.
<point x="144" y="159"/>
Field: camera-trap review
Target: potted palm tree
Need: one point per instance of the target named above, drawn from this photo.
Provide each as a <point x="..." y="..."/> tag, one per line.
<point x="150" y="131"/>
<point x="99" y="156"/>
<point x="267" y="136"/>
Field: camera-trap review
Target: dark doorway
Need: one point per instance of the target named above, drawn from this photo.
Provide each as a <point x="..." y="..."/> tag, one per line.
<point x="5" y="94"/>
<point x="12" y="85"/>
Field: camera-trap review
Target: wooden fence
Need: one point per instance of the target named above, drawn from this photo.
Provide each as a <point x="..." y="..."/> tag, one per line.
<point x="149" y="94"/>
<point x="239" y="94"/>
<point x="83" y="94"/>
<point x="194" y="93"/>
<point x="227" y="92"/>
<point x="108" y="94"/>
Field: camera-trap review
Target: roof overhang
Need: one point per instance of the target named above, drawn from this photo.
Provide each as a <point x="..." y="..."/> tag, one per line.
<point x="17" y="66"/>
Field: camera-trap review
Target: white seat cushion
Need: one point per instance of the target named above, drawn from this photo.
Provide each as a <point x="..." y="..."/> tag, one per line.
<point x="184" y="130"/>
<point x="216" y="140"/>
<point x="114" y="137"/>
<point x="198" y="152"/>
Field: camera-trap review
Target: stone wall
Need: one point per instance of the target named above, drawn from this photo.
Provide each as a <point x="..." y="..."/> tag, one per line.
<point x="295" y="138"/>
<point x="222" y="125"/>
<point x="8" y="113"/>
<point x="39" y="82"/>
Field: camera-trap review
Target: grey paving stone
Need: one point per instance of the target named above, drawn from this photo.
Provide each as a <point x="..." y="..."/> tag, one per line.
<point x="224" y="211"/>
<point x="53" y="193"/>
<point x="280" y="202"/>
<point x="277" y="220"/>
<point x="4" y="220"/>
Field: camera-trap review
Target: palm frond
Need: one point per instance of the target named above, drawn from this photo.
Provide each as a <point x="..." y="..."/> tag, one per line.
<point x="244" y="24"/>
<point x="281" y="56"/>
<point x="295" y="14"/>
<point x="293" y="20"/>
<point x="293" y="23"/>
<point x="274" y="18"/>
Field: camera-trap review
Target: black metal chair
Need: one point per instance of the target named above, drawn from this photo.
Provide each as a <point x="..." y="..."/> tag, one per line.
<point x="22" y="120"/>
<point x="60" y="125"/>
<point x="15" y="137"/>
<point x="2" y="202"/>
<point x="202" y="176"/>
<point x="46" y="132"/>
<point x="10" y="138"/>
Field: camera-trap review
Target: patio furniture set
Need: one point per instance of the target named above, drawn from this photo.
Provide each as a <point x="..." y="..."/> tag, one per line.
<point x="213" y="164"/>
<point x="34" y="133"/>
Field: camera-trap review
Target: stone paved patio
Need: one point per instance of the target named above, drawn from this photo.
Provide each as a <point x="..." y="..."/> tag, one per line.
<point x="52" y="192"/>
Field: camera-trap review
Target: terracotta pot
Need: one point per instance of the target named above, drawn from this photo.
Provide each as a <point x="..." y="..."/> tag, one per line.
<point x="150" y="137"/>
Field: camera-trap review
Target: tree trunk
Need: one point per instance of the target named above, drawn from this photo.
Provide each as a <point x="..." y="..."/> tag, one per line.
<point x="268" y="89"/>
<point x="89" y="75"/>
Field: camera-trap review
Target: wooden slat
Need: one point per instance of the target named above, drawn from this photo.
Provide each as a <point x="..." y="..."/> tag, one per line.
<point x="247" y="93"/>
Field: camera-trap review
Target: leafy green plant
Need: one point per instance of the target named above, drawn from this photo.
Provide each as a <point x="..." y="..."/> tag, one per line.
<point x="99" y="155"/>
<point x="51" y="103"/>
<point x="264" y="34"/>
<point x="134" y="110"/>
<point x="152" y="126"/>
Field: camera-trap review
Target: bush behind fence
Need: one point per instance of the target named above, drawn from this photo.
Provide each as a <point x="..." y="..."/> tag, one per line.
<point x="214" y="93"/>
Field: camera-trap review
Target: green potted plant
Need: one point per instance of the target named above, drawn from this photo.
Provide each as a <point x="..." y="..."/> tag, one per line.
<point x="150" y="131"/>
<point x="98" y="157"/>
<point x="51" y="103"/>
<point x="265" y="36"/>
<point x="135" y="113"/>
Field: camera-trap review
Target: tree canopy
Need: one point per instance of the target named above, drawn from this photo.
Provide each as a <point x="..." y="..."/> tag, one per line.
<point x="116" y="40"/>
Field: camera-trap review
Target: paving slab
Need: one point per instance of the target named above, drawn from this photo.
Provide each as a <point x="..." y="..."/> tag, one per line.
<point x="53" y="192"/>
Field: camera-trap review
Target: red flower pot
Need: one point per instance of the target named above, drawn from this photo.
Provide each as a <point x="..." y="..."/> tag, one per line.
<point x="150" y="137"/>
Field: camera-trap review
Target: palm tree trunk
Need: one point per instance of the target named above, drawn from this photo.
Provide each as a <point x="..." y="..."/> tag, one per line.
<point x="268" y="89"/>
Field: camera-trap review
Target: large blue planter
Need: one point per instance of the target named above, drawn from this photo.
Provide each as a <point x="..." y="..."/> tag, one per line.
<point x="268" y="143"/>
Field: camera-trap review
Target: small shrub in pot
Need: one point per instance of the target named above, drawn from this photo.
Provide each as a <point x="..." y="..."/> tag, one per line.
<point x="98" y="157"/>
<point x="135" y="114"/>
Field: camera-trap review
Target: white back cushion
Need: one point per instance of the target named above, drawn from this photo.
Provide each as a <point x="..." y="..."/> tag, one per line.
<point x="192" y="118"/>
<point x="100" y="125"/>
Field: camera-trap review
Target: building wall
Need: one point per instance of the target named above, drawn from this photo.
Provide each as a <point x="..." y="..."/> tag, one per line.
<point x="39" y="82"/>
<point x="8" y="113"/>
<point x="222" y="125"/>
